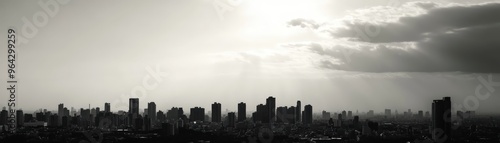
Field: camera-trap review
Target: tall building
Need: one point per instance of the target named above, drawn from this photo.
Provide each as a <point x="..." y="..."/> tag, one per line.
<point x="298" y="110"/>
<point x="216" y="112"/>
<point x="261" y="113"/>
<point x="344" y="115"/>
<point x="281" y="114"/>
<point x="291" y="115"/>
<point x="325" y="115"/>
<point x="107" y="107"/>
<point x="307" y="114"/>
<point x="231" y="118"/>
<point x="20" y="118"/>
<point x="420" y="114"/>
<point x="242" y="112"/>
<point x="271" y="105"/>
<point x="152" y="113"/>
<point x="133" y="110"/>
<point x="60" y="112"/>
<point x="160" y="116"/>
<point x="173" y="114"/>
<point x="349" y="114"/>
<point x="387" y="113"/>
<point x="339" y="120"/>
<point x="441" y="120"/>
<point x="197" y="114"/>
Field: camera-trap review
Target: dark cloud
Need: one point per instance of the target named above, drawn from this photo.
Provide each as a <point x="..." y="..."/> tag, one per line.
<point x="453" y="38"/>
<point x="436" y="20"/>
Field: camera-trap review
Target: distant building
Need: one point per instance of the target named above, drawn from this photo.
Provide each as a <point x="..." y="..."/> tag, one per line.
<point x="3" y="117"/>
<point x="307" y="114"/>
<point x="216" y="112"/>
<point x="388" y="113"/>
<point x="271" y="105"/>
<point x="60" y="113"/>
<point x="242" y="112"/>
<point x="107" y="107"/>
<point x="133" y="109"/>
<point x="441" y="128"/>
<point x="261" y="113"/>
<point x="298" y="110"/>
<point x="370" y="113"/>
<point x="197" y="114"/>
<point x="173" y="114"/>
<point x="20" y="118"/>
<point x="344" y="115"/>
<point x="281" y="114"/>
<point x="291" y="115"/>
<point x="231" y="118"/>
<point x="420" y="114"/>
<point x="161" y="116"/>
<point x="325" y="115"/>
<point x="152" y="113"/>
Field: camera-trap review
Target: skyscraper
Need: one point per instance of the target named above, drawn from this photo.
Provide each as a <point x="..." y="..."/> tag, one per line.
<point x="231" y="118"/>
<point x="152" y="113"/>
<point x="60" y="113"/>
<point x="216" y="112"/>
<point x="133" y="109"/>
<point x="325" y="115"/>
<point x="197" y="114"/>
<point x="349" y="114"/>
<point x="291" y="111"/>
<point x="20" y="118"/>
<point x="107" y="107"/>
<point x="387" y="113"/>
<point x="307" y="114"/>
<point x="271" y="105"/>
<point x="298" y="110"/>
<point x="261" y="113"/>
<point x="242" y="112"/>
<point x="344" y="115"/>
<point x="441" y="120"/>
<point x="281" y="114"/>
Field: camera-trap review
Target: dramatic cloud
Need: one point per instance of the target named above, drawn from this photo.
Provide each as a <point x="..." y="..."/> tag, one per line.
<point x="435" y="38"/>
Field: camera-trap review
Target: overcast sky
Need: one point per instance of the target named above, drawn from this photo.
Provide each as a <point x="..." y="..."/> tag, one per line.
<point x="333" y="54"/>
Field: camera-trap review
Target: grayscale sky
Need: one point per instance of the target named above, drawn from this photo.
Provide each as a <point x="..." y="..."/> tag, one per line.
<point x="333" y="54"/>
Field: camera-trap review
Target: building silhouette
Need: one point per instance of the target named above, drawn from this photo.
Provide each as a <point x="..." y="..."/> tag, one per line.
<point x="3" y="117"/>
<point x="271" y="105"/>
<point x="387" y="113"/>
<point x="197" y="114"/>
<point x="60" y="112"/>
<point x="298" y="110"/>
<point x="307" y="114"/>
<point x="291" y="115"/>
<point x="281" y="114"/>
<point x="19" y="118"/>
<point x="325" y="115"/>
<point x="133" y="110"/>
<point x="216" y="112"/>
<point x="151" y="113"/>
<point x="107" y="107"/>
<point x="231" y="119"/>
<point x="441" y="120"/>
<point x="242" y="112"/>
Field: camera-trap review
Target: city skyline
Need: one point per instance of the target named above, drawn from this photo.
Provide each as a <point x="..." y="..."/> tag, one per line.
<point x="191" y="50"/>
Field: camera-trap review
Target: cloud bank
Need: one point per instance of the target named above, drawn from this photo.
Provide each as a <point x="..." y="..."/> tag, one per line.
<point x="418" y="37"/>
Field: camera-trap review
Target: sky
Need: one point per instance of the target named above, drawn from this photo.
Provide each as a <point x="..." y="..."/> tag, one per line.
<point x="335" y="55"/>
